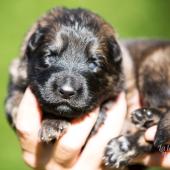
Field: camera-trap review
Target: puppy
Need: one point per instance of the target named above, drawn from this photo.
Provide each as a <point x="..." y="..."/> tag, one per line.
<point x="73" y="63"/>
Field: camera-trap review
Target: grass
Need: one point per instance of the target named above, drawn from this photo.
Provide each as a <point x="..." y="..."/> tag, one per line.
<point x="133" y="18"/>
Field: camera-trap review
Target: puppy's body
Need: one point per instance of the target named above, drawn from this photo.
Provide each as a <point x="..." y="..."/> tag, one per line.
<point x="148" y="73"/>
<point x="73" y="63"/>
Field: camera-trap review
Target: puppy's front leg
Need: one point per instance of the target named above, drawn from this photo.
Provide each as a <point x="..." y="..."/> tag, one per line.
<point x="52" y="129"/>
<point x="101" y="117"/>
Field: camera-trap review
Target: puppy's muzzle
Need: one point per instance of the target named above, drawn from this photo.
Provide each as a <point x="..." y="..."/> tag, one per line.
<point x="69" y="86"/>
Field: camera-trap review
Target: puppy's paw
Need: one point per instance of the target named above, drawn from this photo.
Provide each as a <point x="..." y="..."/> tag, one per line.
<point x="118" y="152"/>
<point x="145" y="117"/>
<point x="52" y="129"/>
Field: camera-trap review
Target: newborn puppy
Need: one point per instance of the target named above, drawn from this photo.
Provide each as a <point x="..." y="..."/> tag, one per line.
<point x="73" y="63"/>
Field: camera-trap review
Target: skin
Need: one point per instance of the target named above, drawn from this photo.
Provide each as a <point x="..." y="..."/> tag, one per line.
<point x="71" y="151"/>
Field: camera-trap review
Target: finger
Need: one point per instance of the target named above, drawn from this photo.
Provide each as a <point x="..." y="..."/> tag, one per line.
<point x="29" y="159"/>
<point x="150" y="133"/>
<point x="94" y="149"/>
<point x="28" y="122"/>
<point x="157" y="159"/>
<point x="41" y="159"/>
<point x="68" y="147"/>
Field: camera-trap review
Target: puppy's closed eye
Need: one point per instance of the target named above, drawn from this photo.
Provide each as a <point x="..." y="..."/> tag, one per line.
<point x="42" y="66"/>
<point x="96" y="64"/>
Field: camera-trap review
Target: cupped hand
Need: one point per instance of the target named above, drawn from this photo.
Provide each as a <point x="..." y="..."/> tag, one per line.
<point x="72" y="151"/>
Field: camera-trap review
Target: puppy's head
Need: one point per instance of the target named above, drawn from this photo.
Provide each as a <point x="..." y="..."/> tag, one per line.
<point x="74" y="62"/>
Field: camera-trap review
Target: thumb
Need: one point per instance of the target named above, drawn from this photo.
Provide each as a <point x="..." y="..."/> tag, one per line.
<point x="29" y="115"/>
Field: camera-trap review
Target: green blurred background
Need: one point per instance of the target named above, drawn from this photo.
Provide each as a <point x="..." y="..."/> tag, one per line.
<point x="131" y="18"/>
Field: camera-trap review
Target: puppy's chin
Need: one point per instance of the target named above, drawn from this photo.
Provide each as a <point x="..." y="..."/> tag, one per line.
<point x="65" y="111"/>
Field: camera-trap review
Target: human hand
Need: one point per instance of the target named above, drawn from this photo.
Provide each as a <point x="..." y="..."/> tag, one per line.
<point x="71" y="151"/>
<point x="160" y="158"/>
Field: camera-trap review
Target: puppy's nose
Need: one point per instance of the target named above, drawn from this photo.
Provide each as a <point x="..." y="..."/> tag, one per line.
<point x="66" y="91"/>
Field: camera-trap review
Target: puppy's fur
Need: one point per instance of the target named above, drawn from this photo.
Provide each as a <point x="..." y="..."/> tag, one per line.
<point x="72" y="62"/>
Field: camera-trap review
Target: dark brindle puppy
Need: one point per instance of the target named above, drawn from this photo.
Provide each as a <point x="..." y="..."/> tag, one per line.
<point x="73" y="63"/>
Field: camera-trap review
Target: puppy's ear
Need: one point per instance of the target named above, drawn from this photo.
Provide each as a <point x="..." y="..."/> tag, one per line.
<point x="114" y="50"/>
<point x="34" y="41"/>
